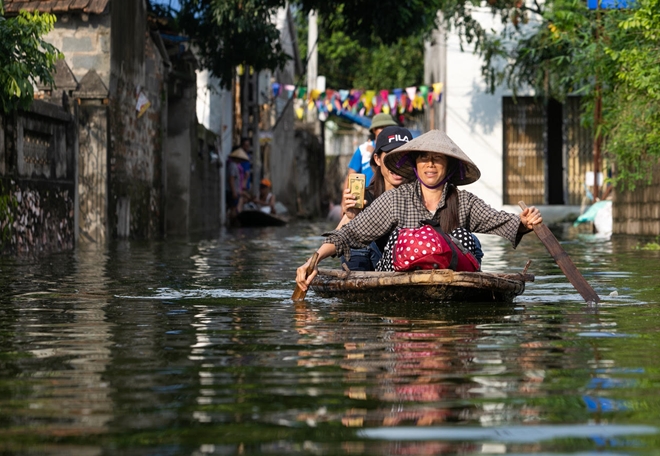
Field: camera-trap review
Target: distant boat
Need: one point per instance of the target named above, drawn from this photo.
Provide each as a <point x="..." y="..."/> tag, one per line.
<point x="257" y="218"/>
<point x="439" y="285"/>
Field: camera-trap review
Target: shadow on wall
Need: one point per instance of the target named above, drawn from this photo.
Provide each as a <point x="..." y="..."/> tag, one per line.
<point x="485" y="109"/>
<point x="308" y="184"/>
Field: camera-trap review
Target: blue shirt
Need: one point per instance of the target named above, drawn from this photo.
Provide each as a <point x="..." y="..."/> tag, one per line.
<point x="361" y="160"/>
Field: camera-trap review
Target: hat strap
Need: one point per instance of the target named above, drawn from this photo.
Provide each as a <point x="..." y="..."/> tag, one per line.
<point x="403" y="160"/>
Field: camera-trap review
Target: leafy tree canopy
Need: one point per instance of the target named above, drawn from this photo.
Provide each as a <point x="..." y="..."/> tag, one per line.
<point x="25" y="58"/>
<point x="632" y="117"/>
<point x="230" y="33"/>
<point x="346" y="63"/>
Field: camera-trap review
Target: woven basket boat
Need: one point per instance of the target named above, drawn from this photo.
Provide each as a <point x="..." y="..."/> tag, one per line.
<point x="439" y="285"/>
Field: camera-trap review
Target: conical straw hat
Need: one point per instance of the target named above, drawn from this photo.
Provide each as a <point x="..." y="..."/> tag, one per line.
<point x="240" y="154"/>
<point x="434" y="141"/>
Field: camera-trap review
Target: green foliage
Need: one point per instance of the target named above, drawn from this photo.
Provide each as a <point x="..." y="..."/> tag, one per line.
<point x="231" y="33"/>
<point x="633" y="117"/>
<point x="25" y="58"/>
<point x="346" y="63"/>
<point x="374" y="22"/>
<point x="653" y="246"/>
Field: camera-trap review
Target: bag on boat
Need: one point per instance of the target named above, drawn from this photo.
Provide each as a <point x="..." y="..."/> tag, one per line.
<point x="428" y="247"/>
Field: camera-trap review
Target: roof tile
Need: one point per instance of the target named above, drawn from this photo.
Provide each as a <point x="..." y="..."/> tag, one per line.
<point x="56" y="6"/>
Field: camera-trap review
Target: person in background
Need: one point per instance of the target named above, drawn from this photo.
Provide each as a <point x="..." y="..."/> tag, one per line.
<point x="435" y="165"/>
<point x="247" y="165"/>
<point x="234" y="192"/>
<point x="361" y="160"/>
<point x="266" y="200"/>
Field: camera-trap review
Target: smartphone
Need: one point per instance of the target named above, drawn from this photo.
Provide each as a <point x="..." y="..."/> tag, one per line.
<point x="356" y="183"/>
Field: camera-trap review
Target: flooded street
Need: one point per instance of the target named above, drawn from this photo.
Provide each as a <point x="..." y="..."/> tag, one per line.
<point x="193" y="347"/>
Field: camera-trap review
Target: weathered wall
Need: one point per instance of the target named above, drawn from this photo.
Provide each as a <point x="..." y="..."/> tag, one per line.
<point x="180" y="150"/>
<point x="339" y="148"/>
<point x="135" y="206"/>
<point x="85" y="42"/>
<point x="204" y="184"/>
<point x="215" y="111"/>
<point x="92" y="116"/>
<point x="37" y="181"/>
<point x="638" y="212"/>
<point x="297" y="168"/>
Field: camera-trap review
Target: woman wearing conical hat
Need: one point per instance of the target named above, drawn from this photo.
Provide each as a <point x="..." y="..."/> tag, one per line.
<point x="435" y="165"/>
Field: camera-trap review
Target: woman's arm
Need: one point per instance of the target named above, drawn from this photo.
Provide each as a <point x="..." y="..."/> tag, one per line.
<point x="302" y="279"/>
<point x="348" y="208"/>
<point x="374" y="221"/>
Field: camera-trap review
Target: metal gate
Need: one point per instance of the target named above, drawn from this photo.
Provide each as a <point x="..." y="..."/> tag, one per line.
<point x="524" y="126"/>
<point x="578" y="151"/>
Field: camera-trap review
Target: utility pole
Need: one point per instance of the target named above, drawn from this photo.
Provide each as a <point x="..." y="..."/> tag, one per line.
<point x="313" y="57"/>
<point x="256" y="145"/>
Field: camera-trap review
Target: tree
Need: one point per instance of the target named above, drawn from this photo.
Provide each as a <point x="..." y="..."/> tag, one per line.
<point x="231" y="33"/>
<point x="346" y="63"/>
<point x="25" y="58"/>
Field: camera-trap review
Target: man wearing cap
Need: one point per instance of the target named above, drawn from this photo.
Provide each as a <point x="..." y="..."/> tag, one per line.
<point x="361" y="160"/>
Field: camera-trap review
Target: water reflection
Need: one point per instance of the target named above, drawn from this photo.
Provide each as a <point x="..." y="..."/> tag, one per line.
<point x="193" y="346"/>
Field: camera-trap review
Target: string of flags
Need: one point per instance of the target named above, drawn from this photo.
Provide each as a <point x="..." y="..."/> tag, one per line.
<point x="361" y="102"/>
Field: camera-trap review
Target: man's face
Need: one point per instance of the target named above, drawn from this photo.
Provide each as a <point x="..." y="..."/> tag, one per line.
<point x="377" y="132"/>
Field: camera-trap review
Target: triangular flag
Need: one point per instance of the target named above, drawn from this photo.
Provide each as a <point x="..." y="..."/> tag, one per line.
<point x="391" y="100"/>
<point x="302" y="91"/>
<point x="386" y="109"/>
<point x="418" y="103"/>
<point x="437" y="90"/>
<point x="424" y="90"/>
<point x="314" y="94"/>
<point x="343" y="94"/>
<point x="368" y="99"/>
<point x="300" y="112"/>
<point x="384" y="94"/>
<point x="398" y="93"/>
<point x="411" y="91"/>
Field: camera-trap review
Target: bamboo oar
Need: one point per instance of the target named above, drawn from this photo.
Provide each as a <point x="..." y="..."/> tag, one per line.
<point x="564" y="261"/>
<point x="299" y="293"/>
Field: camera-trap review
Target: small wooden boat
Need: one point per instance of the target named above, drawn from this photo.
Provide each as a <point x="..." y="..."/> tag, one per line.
<point x="259" y="218"/>
<point x="439" y="285"/>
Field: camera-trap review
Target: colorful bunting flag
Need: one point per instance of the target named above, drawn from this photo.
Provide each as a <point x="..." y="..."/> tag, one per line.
<point x="363" y="102"/>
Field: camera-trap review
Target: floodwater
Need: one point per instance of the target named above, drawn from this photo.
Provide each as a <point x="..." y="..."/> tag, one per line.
<point x="193" y="347"/>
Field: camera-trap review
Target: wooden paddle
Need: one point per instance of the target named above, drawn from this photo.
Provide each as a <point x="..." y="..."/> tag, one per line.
<point x="299" y="293"/>
<point x="564" y="261"/>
